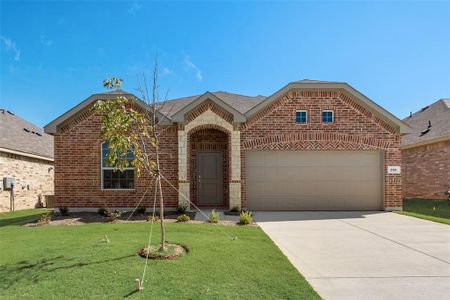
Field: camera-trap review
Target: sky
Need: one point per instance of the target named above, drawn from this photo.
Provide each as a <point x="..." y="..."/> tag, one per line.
<point x="55" y="54"/>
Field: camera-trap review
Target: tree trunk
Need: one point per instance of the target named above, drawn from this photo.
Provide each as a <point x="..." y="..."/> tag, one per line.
<point x="161" y="215"/>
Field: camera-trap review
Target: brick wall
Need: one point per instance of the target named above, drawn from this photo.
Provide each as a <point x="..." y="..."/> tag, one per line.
<point x="77" y="147"/>
<point x="77" y="168"/>
<point x="426" y="171"/>
<point x="33" y="179"/>
<point x="354" y="128"/>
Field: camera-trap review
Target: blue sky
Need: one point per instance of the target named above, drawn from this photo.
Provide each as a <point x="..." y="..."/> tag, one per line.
<point x="55" y="54"/>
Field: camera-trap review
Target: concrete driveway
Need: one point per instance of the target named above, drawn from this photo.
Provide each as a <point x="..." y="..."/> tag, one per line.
<point x="370" y="255"/>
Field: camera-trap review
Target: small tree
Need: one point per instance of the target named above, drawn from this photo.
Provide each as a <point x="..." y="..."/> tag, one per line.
<point x="130" y="128"/>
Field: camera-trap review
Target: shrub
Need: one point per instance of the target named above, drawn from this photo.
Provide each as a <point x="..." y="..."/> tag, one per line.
<point x="245" y="217"/>
<point x="141" y="210"/>
<point x="102" y="211"/>
<point x="64" y="210"/>
<point x="214" y="216"/>
<point x="183" y="218"/>
<point x="113" y="215"/>
<point x="46" y="217"/>
<point x="182" y="208"/>
<point x="152" y="218"/>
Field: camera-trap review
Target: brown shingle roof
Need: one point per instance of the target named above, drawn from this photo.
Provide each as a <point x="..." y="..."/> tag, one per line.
<point x="19" y="135"/>
<point x="438" y="114"/>
<point x="239" y="102"/>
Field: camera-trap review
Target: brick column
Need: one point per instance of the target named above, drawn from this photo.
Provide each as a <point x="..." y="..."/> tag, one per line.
<point x="235" y="178"/>
<point x="393" y="182"/>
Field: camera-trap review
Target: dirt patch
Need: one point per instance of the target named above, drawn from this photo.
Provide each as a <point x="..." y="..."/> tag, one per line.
<point x="154" y="252"/>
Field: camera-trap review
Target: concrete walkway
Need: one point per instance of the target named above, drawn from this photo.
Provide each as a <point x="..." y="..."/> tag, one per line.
<point x="364" y="255"/>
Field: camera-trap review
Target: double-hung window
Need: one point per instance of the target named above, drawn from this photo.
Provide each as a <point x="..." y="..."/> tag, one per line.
<point x="114" y="179"/>
<point x="301" y="116"/>
<point x="327" y="116"/>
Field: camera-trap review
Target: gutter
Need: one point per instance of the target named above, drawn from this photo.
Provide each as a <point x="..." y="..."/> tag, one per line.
<point x="427" y="142"/>
<point x="26" y="154"/>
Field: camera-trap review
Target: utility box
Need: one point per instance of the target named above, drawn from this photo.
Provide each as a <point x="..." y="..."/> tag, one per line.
<point x="8" y="183"/>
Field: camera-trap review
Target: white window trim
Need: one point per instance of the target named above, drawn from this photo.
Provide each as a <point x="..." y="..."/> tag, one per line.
<point x="332" y="114"/>
<point x="111" y="168"/>
<point x="307" y="117"/>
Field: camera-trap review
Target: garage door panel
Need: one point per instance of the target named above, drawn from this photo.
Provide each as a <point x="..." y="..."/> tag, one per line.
<point x="311" y="158"/>
<point x="313" y="180"/>
<point x="311" y="188"/>
<point x="311" y="173"/>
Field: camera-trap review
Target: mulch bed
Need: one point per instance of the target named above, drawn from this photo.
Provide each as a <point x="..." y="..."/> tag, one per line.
<point x="174" y="251"/>
<point x="80" y="218"/>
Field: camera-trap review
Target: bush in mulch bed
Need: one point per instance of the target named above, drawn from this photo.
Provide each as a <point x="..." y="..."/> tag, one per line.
<point x="45" y="218"/>
<point x="63" y="210"/>
<point x="141" y="210"/>
<point x="214" y="216"/>
<point x="152" y="218"/>
<point x="183" y="218"/>
<point x="112" y="216"/>
<point x="245" y="218"/>
<point x="182" y="208"/>
<point x="102" y="211"/>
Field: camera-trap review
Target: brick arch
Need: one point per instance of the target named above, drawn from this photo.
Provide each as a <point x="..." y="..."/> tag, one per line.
<point x="316" y="141"/>
<point x="208" y="137"/>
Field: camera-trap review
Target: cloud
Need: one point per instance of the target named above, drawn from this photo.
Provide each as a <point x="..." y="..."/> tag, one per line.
<point x="193" y="67"/>
<point x="45" y="41"/>
<point x="167" y="71"/>
<point x="11" y="45"/>
<point x="134" y="7"/>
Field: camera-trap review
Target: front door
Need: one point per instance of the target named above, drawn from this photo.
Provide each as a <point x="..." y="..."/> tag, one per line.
<point x="210" y="178"/>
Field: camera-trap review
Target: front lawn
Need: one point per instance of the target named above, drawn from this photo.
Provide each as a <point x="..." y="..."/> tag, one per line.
<point x="433" y="210"/>
<point x="57" y="262"/>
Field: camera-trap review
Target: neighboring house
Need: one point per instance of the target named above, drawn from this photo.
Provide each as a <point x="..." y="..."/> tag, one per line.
<point x="26" y="156"/>
<point x="312" y="145"/>
<point x="426" y="152"/>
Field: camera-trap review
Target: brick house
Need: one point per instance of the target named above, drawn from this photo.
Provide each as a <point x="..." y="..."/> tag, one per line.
<point x="26" y="155"/>
<point x="426" y="152"/>
<point x="312" y="145"/>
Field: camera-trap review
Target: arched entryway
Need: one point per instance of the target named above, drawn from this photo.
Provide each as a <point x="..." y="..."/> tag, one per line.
<point x="209" y="166"/>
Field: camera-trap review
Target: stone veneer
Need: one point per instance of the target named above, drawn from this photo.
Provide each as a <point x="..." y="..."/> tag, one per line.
<point x="210" y="119"/>
<point x="33" y="179"/>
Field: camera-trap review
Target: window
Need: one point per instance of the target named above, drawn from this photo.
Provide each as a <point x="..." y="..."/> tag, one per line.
<point x="301" y="116"/>
<point x="113" y="178"/>
<point x="327" y="116"/>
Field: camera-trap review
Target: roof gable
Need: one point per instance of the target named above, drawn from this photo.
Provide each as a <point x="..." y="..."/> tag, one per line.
<point x="326" y="85"/>
<point x="239" y="102"/>
<point x="180" y="115"/>
<point x="56" y="124"/>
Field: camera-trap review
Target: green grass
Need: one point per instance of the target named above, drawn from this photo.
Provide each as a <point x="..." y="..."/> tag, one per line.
<point x="57" y="262"/>
<point x="433" y="210"/>
<point x="21" y="216"/>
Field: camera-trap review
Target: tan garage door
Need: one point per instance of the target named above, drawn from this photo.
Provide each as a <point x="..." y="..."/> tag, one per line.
<point x="314" y="180"/>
